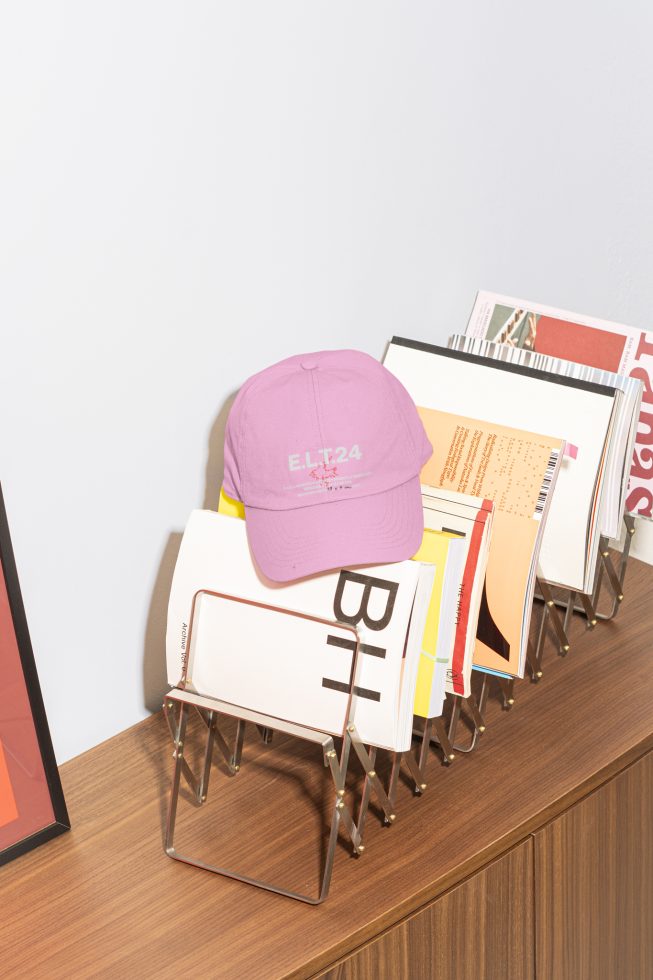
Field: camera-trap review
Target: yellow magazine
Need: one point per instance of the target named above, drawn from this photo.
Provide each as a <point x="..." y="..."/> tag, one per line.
<point x="229" y="506"/>
<point x="434" y="549"/>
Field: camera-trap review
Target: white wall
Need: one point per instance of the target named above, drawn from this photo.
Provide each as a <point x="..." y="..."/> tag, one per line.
<point x="191" y="191"/>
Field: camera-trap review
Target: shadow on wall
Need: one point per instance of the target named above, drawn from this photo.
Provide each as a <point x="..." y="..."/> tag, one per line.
<point x="154" y="654"/>
<point x="154" y="659"/>
<point x="215" y="457"/>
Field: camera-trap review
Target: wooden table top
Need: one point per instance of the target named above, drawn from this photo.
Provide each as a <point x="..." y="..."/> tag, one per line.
<point x="105" y="901"/>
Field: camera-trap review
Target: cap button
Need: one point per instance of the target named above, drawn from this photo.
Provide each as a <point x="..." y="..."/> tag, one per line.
<point x="309" y="364"/>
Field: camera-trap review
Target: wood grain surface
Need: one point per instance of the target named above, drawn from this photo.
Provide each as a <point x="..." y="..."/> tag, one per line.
<point x="594" y="874"/>
<point x="482" y="929"/>
<point x="105" y="902"/>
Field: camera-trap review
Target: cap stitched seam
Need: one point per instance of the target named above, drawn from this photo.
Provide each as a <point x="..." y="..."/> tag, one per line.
<point x="318" y="408"/>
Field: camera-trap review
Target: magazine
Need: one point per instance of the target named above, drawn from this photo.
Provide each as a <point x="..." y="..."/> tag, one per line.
<point x="587" y="340"/>
<point x="470" y="518"/>
<point x="446" y="551"/>
<point x="629" y="397"/>
<point x="579" y="412"/>
<point x="517" y="470"/>
<point x="286" y="666"/>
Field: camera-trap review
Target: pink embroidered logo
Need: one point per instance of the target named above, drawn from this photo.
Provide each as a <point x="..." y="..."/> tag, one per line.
<point x="323" y="473"/>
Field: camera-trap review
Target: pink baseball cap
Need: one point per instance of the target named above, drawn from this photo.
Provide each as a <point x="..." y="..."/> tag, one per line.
<point x="325" y="450"/>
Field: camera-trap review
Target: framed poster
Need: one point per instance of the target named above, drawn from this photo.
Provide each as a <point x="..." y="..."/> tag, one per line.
<point x="32" y="806"/>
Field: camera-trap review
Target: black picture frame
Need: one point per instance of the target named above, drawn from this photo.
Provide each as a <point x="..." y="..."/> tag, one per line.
<point x="61" y="821"/>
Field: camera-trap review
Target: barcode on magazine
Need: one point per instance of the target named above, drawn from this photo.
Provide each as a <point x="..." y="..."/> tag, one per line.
<point x="546" y="485"/>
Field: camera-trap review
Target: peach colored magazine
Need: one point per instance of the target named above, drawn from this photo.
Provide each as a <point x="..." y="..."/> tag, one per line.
<point x="516" y="470"/>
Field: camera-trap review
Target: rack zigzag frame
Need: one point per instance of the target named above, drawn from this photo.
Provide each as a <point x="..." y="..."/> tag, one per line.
<point x="444" y="737"/>
<point x="180" y="700"/>
<point x="434" y="732"/>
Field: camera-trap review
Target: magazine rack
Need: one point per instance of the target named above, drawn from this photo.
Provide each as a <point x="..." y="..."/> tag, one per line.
<point x="179" y="702"/>
<point x="416" y="765"/>
<point x="436" y="732"/>
<point x="552" y="621"/>
<point x="556" y="621"/>
<point x="615" y="577"/>
<point x="606" y="573"/>
<point x="475" y="710"/>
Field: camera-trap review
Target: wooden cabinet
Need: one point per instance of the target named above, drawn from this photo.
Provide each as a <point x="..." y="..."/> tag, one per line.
<point x="530" y="858"/>
<point x="572" y="902"/>
<point x="594" y="884"/>
<point x="480" y="930"/>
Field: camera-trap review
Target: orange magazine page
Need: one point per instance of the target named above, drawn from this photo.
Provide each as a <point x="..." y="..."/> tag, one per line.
<point x="516" y="470"/>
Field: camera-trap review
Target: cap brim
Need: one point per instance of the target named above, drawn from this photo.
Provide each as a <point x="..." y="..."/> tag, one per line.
<point x="373" y="530"/>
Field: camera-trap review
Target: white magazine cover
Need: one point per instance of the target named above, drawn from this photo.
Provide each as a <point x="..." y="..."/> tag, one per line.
<point x="625" y="431"/>
<point x="450" y="601"/>
<point x="588" y="340"/>
<point x="471" y="518"/>
<point x="446" y="551"/>
<point x="516" y="396"/>
<point x="286" y="666"/>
